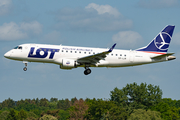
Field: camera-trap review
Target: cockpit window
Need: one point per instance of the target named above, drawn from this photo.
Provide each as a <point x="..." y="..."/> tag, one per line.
<point x="18" y="47"/>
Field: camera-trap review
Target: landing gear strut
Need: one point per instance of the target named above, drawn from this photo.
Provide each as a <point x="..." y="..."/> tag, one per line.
<point x="25" y="68"/>
<point x="87" y="71"/>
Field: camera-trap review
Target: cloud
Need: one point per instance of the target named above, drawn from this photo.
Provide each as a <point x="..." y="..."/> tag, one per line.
<point x="158" y="3"/>
<point x="127" y="39"/>
<point x="5" y="6"/>
<point x="102" y="9"/>
<point x="13" y="31"/>
<point x="93" y="17"/>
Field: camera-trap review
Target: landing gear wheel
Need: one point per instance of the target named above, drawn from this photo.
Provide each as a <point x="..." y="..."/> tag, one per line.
<point x="25" y="68"/>
<point x="87" y="71"/>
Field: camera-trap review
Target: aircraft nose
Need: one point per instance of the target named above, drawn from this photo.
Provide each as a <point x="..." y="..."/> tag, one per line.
<point x="7" y="55"/>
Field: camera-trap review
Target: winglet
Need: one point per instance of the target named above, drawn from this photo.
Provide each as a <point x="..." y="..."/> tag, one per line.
<point x="110" y="50"/>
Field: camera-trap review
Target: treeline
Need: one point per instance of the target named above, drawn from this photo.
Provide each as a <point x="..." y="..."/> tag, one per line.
<point x="132" y="102"/>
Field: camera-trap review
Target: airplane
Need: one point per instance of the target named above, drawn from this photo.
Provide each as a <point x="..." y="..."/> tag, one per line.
<point x="69" y="57"/>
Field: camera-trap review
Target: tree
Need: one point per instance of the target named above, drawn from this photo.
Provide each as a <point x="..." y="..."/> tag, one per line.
<point x="48" y="117"/>
<point x="9" y="103"/>
<point x="136" y="96"/>
<point x="140" y="114"/>
<point x="43" y="102"/>
<point x="4" y="115"/>
<point x="63" y="104"/>
<point x="54" y="100"/>
<point x="73" y="100"/>
<point x="104" y="109"/>
<point x="51" y="112"/>
<point x="78" y="110"/>
<point x="32" y="115"/>
<point x="63" y="115"/>
<point x="12" y="115"/>
<point x="118" y="113"/>
<point x="22" y="114"/>
<point x="167" y="113"/>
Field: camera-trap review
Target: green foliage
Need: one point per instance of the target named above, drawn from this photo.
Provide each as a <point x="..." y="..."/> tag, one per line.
<point x="104" y="109"/>
<point x="78" y="110"/>
<point x="4" y="115"/>
<point x="140" y="114"/>
<point x="135" y="96"/>
<point x="37" y="112"/>
<point x="48" y="117"/>
<point x="118" y="113"/>
<point x="43" y="102"/>
<point x="167" y="113"/>
<point x="32" y="115"/>
<point x="63" y="115"/>
<point x="26" y="106"/>
<point x="13" y="115"/>
<point x="131" y="102"/>
<point x="63" y="104"/>
<point x="22" y="115"/>
<point x="51" y="112"/>
<point x="9" y="103"/>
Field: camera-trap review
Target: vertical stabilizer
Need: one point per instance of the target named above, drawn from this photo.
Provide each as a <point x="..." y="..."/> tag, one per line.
<point x="161" y="42"/>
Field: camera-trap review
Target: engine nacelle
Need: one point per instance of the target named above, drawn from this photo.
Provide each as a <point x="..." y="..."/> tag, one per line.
<point x="68" y="64"/>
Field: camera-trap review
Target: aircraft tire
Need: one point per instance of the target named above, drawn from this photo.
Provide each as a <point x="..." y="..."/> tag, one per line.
<point x="87" y="71"/>
<point x="25" y="68"/>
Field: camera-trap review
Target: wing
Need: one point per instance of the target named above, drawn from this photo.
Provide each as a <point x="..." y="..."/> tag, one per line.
<point x="92" y="59"/>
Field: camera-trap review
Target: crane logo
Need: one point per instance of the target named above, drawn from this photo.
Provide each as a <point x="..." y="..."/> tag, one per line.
<point x="162" y="41"/>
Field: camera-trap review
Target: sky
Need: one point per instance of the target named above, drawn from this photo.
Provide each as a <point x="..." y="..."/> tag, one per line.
<point x="89" y="23"/>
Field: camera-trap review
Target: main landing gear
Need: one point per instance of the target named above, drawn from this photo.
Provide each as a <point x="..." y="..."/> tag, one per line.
<point x="25" y="68"/>
<point x="87" y="71"/>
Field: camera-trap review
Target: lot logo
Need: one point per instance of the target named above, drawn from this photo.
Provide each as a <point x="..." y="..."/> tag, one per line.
<point x="42" y="52"/>
<point x="162" y="41"/>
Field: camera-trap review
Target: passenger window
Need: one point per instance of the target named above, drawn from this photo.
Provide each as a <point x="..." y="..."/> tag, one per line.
<point x="116" y="55"/>
<point x="84" y="52"/>
<point x="89" y="52"/>
<point x="71" y="51"/>
<point x="75" y="51"/>
<point x="62" y="51"/>
<point x="111" y="54"/>
<point x="79" y="51"/>
<point x="93" y="52"/>
<point x="120" y="54"/>
<point x="66" y="51"/>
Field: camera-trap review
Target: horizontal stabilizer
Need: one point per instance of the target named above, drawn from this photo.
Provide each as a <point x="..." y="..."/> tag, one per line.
<point x="161" y="56"/>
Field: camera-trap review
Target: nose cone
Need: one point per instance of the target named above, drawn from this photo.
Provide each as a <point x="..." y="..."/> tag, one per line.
<point x="7" y="55"/>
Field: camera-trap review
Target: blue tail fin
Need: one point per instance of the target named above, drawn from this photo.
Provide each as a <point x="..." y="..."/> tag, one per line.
<point x="161" y="42"/>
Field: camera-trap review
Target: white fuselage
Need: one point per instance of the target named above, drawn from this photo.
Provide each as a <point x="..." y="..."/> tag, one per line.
<point x="57" y="53"/>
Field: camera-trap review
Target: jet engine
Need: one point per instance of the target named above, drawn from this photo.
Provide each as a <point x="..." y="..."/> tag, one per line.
<point x="68" y="64"/>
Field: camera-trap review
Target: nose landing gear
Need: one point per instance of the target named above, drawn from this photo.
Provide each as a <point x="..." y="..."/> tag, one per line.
<point x="25" y="68"/>
<point x="87" y="71"/>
